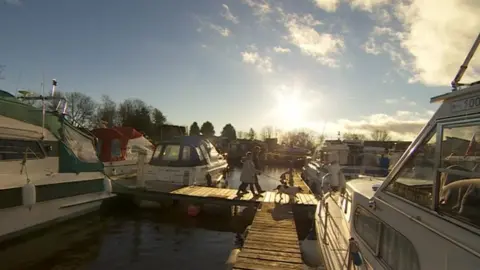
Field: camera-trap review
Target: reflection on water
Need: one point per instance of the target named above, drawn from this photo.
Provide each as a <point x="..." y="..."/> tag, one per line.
<point x="125" y="237"/>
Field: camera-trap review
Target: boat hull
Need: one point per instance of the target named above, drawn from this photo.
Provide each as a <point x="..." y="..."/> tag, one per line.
<point x="20" y="220"/>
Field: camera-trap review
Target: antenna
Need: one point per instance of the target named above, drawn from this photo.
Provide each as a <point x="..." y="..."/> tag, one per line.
<point x="463" y="67"/>
<point x="54" y="86"/>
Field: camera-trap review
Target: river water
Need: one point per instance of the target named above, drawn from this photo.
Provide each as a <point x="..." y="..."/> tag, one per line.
<point x="125" y="237"/>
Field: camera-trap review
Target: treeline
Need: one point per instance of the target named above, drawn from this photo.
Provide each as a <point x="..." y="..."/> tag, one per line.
<point x="84" y="111"/>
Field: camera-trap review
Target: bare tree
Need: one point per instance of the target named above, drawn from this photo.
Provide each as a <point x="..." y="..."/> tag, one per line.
<point x="81" y="109"/>
<point x="266" y="132"/>
<point x="380" y="135"/>
<point x="354" y="136"/>
<point x="251" y="134"/>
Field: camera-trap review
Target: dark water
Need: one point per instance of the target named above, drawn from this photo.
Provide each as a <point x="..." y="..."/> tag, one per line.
<point x="125" y="237"/>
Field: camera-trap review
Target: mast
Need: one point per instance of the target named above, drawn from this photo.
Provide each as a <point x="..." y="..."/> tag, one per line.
<point x="464" y="66"/>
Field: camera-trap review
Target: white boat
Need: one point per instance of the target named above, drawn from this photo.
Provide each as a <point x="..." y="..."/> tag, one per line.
<point x="185" y="161"/>
<point x="355" y="160"/>
<point x="47" y="175"/>
<point x="118" y="149"/>
<point x="425" y="213"/>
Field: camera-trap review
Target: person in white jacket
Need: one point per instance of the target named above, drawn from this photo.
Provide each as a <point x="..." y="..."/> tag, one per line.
<point x="247" y="176"/>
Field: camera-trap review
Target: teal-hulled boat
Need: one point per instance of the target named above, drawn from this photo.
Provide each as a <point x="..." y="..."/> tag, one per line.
<point x="49" y="169"/>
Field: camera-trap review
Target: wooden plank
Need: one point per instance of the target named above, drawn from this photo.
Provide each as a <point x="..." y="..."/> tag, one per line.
<point x="264" y="246"/>
<point x="184" y="190"/>
<point x="292" y="236"/>
<point x="247" y="263"/>
<point x="190" y="191"/>
<point x="274" y="256"/>
<point x="276" y="239"/>
<point x="276" y="253"/>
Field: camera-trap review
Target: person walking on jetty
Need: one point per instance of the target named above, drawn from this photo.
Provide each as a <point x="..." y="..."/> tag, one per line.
<point x="247" y="176"/>
<point x="256" y="162"/>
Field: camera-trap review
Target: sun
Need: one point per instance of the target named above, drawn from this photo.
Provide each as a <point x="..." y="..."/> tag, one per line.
<point x="289" y="112"/>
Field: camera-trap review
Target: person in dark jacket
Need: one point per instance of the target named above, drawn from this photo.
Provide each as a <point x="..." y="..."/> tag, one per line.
<point x="256" y="162"/>
<point x="384" y="162"/>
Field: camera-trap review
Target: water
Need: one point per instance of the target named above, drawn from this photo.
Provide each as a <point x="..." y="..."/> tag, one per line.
<point x="125" y="237"/>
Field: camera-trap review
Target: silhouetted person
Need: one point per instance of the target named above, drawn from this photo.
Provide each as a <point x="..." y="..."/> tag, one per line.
<point x="256" y="162"/>
<point x="247" y="176"/>
<point x="384" y="162"/>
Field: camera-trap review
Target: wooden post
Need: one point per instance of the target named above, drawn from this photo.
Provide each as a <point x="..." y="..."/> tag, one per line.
<point x="140" y="183"/>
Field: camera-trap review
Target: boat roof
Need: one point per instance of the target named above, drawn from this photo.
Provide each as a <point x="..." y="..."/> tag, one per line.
<point x="15" y="129"/>
<point x="364" y="185"/>
<point x="187" y="140"/>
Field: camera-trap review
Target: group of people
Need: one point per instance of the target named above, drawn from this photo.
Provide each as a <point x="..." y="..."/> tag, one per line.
<point x="249" y="175"/>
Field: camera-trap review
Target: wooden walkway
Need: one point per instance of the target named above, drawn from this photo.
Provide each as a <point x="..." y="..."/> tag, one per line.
<point x="272" y="241"/>
<point x="200" y="194"/>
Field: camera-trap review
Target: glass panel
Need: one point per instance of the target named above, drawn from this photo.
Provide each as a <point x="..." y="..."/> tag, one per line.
<point x="99" y="146"/>
<point x="186" y="153"/>
<point x="116" y="148"/>
<point x="205" y="152"/>
<point x="16" y="149"/>
<point x="414" y="181"/>
<point x="141" y="144"/>
<point x="171" y="153"/>
<point x="460" y="158"/>
<point x="367" y="226"/>
<point x="199" y="153"/>
<point x="403" y="256"/>
<point x="80" y="145"/>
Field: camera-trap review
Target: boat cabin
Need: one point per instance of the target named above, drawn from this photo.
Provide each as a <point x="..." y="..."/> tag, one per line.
<point x="186" y="160"/>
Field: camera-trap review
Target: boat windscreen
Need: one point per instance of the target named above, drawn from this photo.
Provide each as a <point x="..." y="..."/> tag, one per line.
<point x="175" y="155"/>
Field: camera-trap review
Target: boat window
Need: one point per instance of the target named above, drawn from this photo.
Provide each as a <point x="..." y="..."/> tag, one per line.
<point x="99" y="146"/>
<point x="16" y="149"/>
<point x="199" y="153"/>
<point x="460" y="173"/>
<point x="204" y="151"/>
<point x="186" y="152"/>
<point x="367" y="226"/>
<point x="80" y="144"/>
<point x="170" y="152"/>
<point x="414" y="181"/>
<point x="116" y="148"/>
<point x="139" y="145"/>
<point x="403" y="256"/>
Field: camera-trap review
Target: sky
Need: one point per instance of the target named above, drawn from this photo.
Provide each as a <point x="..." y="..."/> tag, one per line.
<point x="325" y="65"/>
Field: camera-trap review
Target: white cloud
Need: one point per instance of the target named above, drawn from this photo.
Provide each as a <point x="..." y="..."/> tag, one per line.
<point x="402" y="101"/>
<point x="279" y="49"/>
<point x="324" y="47"/>
<point x="368" y="5"/>
<point x="439" y="34"/>
<point x="227" y="14"/>
<point x="264" y="64"/>
<point x="403" y="125"/>
<point x="327" y="5"/>
<point x="260" y="7"/>
<point x="221" y="30"/>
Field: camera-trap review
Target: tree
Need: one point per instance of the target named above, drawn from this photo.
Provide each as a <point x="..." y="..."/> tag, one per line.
<point x="207" y="129"/>
<point x="194" y="129"/>
<point x="267" y="132"/>
<point x="136" y="114"/>
<point x="380" y="135"/>
<point x="240" y="134"/>
<point x="251" y="134"/>
<point x="81" y="109"/>
<point x="107" y="112"/>
<point x="353" y="136"/>
<point x="300" y="138"/>
<point x="229" y="132"/>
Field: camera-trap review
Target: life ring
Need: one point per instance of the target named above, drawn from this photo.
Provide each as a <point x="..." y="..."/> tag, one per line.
<point x="193" y="210"/>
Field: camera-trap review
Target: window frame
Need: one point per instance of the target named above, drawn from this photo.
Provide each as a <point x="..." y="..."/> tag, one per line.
<point x="407" y="156"/>
<point x="379" y="239"/>
<point x="464" y="121"/>
<point x="37" y="143"/>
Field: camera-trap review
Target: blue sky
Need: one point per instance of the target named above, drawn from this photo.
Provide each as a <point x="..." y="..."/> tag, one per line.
<point x="327" y="65"/>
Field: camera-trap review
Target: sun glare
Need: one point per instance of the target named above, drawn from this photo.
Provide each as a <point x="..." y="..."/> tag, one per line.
<point x="289" y="112"/>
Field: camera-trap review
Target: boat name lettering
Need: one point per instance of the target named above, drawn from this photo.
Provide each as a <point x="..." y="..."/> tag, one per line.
<point x="466" y="104"/>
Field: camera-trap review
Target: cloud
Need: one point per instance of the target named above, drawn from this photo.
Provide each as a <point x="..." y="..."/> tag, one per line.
<point x="279" y="49"/>
<point x="432" y="40"/>
<point x="327" y="5"/>
<point x="264" y="64"/>
<point x="367" y="5"/>
<point x="403" y="125"/>
<point x="439" y="35"/>
<point x="228" y="15"/>
<point x="324" y="47"/>
<point x="260" y="7"/>
<point x="13" y="2"/>
<point x="221" y="30"/>
<point x="402" y="100"/>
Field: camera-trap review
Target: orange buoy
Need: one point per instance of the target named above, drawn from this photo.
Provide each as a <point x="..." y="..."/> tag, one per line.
<point x="193" y="210"/>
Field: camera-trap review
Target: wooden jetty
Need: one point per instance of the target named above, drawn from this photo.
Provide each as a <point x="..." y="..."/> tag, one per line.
<point x="272" y="241"/>
<point x="205" y="195"/>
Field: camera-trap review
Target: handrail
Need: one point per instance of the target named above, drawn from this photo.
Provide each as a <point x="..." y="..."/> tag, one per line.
<point x="325" y="224"/>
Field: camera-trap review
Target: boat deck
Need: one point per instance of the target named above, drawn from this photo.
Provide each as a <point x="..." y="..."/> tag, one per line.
<point x="272" y="241"/>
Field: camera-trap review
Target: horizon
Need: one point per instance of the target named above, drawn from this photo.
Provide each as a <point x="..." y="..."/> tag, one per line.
<point x="323" y="65"/>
